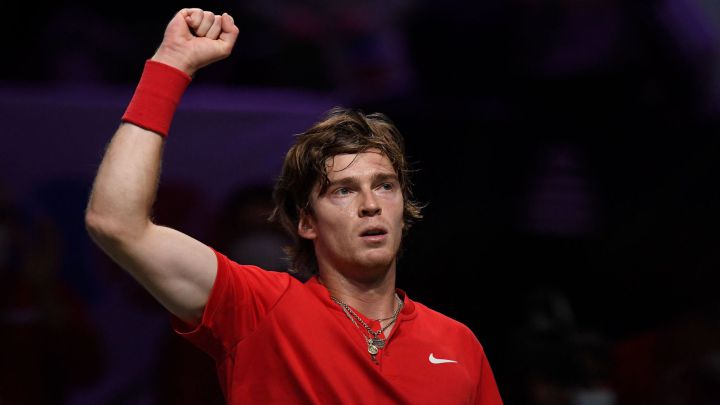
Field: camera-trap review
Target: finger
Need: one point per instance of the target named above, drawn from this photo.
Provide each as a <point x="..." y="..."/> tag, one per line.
<point x="214" y="30"/>
<point x="229" y="30"/>
<point x="207" y="22"/>
<point x="193" y="17"/>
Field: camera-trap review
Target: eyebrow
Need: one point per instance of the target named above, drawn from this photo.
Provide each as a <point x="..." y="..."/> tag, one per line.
<point x="353" y="181"/>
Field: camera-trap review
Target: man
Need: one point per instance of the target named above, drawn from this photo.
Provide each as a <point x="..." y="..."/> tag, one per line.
<point x="347" y="335"/>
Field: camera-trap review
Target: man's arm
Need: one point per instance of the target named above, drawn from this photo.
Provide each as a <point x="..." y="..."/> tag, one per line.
<point x="176" y="269"/>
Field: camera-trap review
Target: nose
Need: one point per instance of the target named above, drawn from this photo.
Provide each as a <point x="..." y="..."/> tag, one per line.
<point x="369" y="206"/>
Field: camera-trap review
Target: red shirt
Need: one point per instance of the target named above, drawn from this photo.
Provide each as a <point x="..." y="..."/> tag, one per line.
<point x="277" y="340"/>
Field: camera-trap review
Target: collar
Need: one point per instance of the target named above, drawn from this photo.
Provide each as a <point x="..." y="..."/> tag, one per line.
<point x="313" y="284"/>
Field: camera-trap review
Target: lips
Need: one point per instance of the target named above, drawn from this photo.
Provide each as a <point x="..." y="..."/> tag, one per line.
<point x="373" y="231"/>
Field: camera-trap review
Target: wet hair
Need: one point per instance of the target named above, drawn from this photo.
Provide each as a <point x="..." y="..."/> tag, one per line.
<point x="341" y="131"/>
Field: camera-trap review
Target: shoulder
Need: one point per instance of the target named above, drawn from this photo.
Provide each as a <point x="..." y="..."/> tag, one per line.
<point x="233" y="268"/>
<point x="431" y="318"/>
<point x="245" y="281"/>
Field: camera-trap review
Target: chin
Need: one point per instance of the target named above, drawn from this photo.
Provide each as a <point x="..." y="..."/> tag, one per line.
<point x="380" y="262"/>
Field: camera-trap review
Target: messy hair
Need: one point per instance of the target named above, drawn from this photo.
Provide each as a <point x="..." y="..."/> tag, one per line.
<point x="341" y="131"/>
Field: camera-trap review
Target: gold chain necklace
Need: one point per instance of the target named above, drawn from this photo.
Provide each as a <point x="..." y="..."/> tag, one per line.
<point x="373" y="341"/>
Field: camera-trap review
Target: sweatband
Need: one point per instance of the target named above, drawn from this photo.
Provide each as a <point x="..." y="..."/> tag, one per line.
<point x="156" y="97"/>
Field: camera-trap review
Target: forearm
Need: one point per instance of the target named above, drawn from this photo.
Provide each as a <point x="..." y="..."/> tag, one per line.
<point x="126" y="183"/>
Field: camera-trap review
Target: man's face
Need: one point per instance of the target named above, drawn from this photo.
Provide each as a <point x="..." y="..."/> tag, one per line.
<point x="358" y="221"/>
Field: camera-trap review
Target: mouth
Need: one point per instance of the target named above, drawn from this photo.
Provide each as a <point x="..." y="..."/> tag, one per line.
<point x="374" y="234"/>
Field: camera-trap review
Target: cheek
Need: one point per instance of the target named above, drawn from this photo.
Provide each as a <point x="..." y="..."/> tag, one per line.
<point x="396" y="207"/>
<point x="340" y="218"/>
<point x="337" y="221"/>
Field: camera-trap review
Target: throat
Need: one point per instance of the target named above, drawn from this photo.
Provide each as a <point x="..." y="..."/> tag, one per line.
<point x="376" y="301"/>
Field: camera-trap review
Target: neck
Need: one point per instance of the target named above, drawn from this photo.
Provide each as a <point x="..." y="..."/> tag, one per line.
<point x="375" y="299"/>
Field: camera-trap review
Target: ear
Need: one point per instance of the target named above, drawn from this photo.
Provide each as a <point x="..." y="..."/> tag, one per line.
<point x="306" y="226"/>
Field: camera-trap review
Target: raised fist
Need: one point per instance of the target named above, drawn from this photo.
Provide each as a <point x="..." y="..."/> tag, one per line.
<point x="195" y="38"/>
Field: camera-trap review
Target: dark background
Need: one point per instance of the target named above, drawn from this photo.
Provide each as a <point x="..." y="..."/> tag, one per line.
<point x="567" y="151"/>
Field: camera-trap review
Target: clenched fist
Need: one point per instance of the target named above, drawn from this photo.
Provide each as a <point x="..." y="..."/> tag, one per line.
<point x="195" y="38"/>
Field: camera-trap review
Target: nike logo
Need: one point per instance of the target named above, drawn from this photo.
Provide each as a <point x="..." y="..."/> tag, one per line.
<point x="435" y="360"/>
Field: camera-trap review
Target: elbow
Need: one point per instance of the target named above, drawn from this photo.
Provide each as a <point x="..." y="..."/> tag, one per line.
<point x="107" y="230"/>
<point x="100" y="228"/>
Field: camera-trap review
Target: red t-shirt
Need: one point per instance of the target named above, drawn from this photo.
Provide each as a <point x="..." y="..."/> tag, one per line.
<point x="277" y="340"/>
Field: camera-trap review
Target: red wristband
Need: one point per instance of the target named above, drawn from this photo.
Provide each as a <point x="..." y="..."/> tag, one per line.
<point x="156" y="97"/>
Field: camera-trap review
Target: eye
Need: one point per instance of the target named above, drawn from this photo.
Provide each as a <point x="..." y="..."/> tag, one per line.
<point x="342" y="191"/>
<point x="387" y="186"/>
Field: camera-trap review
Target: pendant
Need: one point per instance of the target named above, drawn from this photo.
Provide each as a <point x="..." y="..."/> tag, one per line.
<point x="379" y="343"/>
<point x="372" y="349"/>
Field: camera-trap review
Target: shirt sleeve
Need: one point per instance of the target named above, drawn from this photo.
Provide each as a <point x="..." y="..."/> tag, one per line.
<point x="240" y="298"/>
<point x="487" y="390"/>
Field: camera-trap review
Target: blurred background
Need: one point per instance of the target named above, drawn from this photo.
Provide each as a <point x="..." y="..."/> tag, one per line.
<point x="567" y="150"/>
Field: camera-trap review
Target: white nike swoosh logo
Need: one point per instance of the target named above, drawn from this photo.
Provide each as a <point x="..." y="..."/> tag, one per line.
<point x="434" y="360"/>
